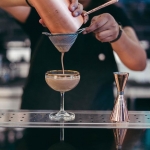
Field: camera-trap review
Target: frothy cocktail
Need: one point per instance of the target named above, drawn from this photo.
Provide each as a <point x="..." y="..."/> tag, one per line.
<point x="62" y="81"/>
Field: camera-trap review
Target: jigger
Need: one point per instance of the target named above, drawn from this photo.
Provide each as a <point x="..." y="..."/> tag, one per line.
<point x="120" y="112"/>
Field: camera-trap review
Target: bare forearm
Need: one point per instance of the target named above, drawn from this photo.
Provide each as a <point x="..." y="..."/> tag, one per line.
<point x="7" y="3"/>
<point x="105" y="29"/>
<point x="130" y="52"/>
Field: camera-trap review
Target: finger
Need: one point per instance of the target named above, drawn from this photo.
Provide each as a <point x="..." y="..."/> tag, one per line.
<point x="85" y="17"/>
<point x="105" y="36"/>
<point x="107" y="39"/>
<point x="73" y="5"/>
<point x="42" y="23"/>
<point x="95" y="25"/>
<point x="101" y="29"/>
<point x="78" y="10"/>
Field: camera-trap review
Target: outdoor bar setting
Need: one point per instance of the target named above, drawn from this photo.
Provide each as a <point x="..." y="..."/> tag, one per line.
<point x="74" y="75"/>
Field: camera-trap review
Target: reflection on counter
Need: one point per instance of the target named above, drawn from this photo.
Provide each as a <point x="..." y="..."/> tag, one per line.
<point x="134" y="140"/>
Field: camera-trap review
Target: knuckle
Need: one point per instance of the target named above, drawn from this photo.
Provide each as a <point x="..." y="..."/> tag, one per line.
<point x="94" y="18"/>
<point x="114" y="26"/>
<point x="105" y="15"/>
<point x="97" y="38"/>
<point x="96" y="25"/>
<point x="98" y="35"/>
<point x="80" y="5"/>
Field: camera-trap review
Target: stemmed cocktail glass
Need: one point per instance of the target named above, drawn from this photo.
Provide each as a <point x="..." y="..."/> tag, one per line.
<point x="62" y="81"/>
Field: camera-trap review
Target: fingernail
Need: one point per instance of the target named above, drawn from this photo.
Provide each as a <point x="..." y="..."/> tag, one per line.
<point x="73" y="8"/>
<point x="85" y="21"/>
<point x="76" y="13"/>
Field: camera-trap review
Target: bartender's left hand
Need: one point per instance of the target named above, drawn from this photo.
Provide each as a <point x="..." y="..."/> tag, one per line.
<point x="76" y="9"/>
<point x="104" y="27"/>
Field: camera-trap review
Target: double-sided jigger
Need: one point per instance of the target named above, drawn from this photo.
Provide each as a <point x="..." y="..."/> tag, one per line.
<point x="120" y="112"/>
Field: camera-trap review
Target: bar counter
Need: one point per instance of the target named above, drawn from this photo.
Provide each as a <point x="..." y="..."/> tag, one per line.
<point x="91" y="122"/>
<point x="83" y="119"/>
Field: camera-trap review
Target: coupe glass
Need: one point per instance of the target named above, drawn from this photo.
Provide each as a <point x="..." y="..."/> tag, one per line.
<point x="62" y="81"/>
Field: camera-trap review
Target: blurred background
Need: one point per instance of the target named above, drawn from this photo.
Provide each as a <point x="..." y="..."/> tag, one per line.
<point x="15" y="58"/>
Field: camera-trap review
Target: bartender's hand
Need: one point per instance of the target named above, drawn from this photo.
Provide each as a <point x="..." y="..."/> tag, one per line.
<point x="76" y="9"/>
<point x="104" y="26"/>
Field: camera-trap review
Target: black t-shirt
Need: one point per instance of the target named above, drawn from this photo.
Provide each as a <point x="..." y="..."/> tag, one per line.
<point x="95" y="89"/>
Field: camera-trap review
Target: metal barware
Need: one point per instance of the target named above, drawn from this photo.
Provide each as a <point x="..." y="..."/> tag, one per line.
<point x="100" y="7"/>
<point x="57" y="16"/>
<point x="120" y="112"/>
<point x="63" y="42"/>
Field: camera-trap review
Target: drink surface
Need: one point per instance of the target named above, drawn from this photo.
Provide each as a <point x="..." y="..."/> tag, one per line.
<point x="63" y="84"/>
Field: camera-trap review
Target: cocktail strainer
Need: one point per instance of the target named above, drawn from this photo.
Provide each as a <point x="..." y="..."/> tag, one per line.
<point x="63" y="42"/>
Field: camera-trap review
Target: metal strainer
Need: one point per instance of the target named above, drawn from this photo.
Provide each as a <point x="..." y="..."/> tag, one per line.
<point x="63" y="42"/>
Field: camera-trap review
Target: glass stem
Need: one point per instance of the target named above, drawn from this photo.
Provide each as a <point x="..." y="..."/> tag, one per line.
<point x="62" y="101"/>
<point x="61" y="134"/>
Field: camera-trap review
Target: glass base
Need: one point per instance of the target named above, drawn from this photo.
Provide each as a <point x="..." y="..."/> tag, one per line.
<point x="118" y="147"/>
<point x="62" y="116"/>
